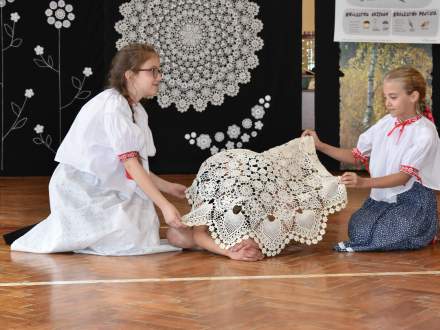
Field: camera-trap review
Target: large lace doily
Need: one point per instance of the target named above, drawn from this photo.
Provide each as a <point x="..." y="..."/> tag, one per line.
<point x="206" y="47"/>
<point x="274" y="197"/>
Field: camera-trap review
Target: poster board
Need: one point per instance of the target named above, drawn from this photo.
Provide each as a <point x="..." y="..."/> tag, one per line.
<point x="387" y="21"/>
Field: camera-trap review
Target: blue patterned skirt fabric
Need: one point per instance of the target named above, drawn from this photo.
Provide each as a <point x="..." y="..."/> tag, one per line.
<point x="410" y="223"/>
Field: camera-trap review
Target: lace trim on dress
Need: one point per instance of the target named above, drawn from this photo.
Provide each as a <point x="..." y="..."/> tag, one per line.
<point x="360" y="159"/>
<point x="411" y="171"/>
<point x="128" y="155"/>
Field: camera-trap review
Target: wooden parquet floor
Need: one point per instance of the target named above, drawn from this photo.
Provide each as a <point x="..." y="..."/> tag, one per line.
<point x="304" y="288"/>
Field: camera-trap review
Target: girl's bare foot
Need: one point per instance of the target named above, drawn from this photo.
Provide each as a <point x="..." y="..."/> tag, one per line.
<point x="247" y="250"/>
<point x="246" y="254"/>
<point x="247" y="243"/>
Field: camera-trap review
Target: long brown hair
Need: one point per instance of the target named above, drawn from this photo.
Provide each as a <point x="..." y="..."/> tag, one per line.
<point x="130" y="57"/>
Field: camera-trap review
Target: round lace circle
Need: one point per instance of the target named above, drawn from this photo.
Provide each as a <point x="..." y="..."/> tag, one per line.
<point x="274" y="197"/>
<point x="207" y="48"/>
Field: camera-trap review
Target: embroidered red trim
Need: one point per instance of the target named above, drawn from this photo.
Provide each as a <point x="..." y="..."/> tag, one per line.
<point x="124" y="157"/>
<point x="360" y="159"/>
<point x="128" y="155"/>
<point x="411" y="171"/>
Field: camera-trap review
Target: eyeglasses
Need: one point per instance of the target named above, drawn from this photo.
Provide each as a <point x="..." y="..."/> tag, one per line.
<point x="155" y="71"/>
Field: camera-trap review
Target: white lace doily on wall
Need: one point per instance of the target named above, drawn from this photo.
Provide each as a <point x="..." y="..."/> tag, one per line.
<point x="274" y="197"/>
<point x="235" y="136"/>
<point x="207" y="48"/>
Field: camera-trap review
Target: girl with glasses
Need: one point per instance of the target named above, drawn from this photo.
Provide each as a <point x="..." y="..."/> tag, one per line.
<point x="102" y="193"/>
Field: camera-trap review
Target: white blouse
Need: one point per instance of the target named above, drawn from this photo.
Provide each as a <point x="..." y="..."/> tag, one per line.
<point x="389" y="148"/>
<point x="102" y="131"/>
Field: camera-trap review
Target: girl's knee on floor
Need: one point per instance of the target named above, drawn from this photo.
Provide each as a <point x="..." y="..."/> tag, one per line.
<point x="182" y="237"/>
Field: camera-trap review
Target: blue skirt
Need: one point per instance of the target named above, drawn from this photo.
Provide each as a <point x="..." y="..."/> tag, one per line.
<point x="410" y="223"/>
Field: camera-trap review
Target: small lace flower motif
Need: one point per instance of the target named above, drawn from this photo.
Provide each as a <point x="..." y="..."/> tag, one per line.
<point x="60" y="14"/>
<point x="87" y="71"/>
<point x="230" y="145"/>
<point x="39" y="129"/>
<point x="4" y="2"/>
<point x="39" y="50"/>
<point x="15" y="17"/>
<point x="204" y="141"/>
<point x="191" y="137"/>
<point x="29" y="93"/>
<point x="258" y="112"/>
<point x="233" y="131"/>
<point x="246" y="123"/>
<point x="258" y="125"/>
<point x="242" y="134"/>
<point x="245" y="137"/>
<point x="219" y="136"/>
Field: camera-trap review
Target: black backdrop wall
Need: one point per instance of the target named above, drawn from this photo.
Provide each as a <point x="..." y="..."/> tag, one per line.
<point x="33" y="125"/>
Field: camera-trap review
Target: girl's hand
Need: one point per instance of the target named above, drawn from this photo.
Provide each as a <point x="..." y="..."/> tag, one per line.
<point x="177" y="190"/>
<point x="246" y="254"/>
<point x="312" y="133"/>
<point x="353" y="180"/>
<point x="172" y="216"/>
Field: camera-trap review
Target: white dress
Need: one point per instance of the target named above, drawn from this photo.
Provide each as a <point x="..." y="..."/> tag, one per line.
<point x="95" y="208"/>
<point x="390" y="147"/>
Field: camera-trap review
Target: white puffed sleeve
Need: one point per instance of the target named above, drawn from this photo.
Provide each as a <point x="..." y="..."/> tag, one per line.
<point x="365" y="141"/>
<point x="421" y="154"/>
<point x="142" y="121"/>
<point x="123" y="134"/>
<point x="363" y="148"/>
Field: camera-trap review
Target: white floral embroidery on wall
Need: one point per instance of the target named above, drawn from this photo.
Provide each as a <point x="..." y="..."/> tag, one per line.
<point x="60" y="15"/>
<point x="237" y="135"/>
<point x="10" y="41"/>
<point x="4" y="2"/>
<point x="207" y="48"/>
<point x="19" y="121"/>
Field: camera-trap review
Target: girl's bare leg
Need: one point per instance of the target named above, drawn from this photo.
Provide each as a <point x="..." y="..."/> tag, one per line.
<point x="181" y="237"/>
